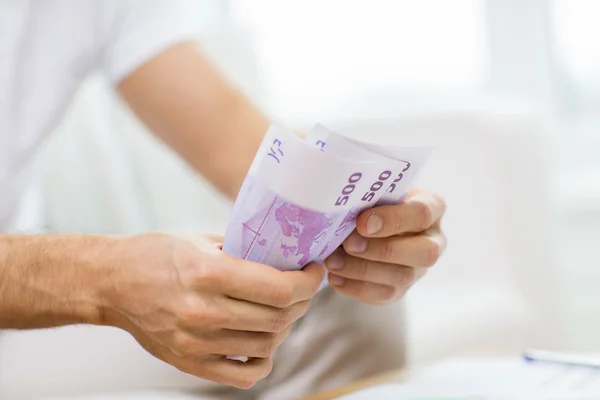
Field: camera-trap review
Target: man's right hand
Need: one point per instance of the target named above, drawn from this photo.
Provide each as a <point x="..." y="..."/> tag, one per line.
<point x="191" y="305"/>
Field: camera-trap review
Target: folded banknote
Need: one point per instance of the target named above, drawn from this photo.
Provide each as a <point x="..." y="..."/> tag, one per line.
<point x="301" y="197"/>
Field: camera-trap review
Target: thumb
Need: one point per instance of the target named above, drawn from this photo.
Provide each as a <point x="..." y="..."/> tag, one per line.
<point x="315" y="271"/>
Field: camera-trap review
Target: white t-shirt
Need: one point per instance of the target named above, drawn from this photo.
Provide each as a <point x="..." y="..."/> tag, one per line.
<point x="47" y="48"/>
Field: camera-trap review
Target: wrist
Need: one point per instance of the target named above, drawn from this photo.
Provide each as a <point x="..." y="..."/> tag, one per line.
<point x="52" y="280"/>
<point x="84" y="267"/>
<point x="98" y="261"/>
<point x="118" y="278"/>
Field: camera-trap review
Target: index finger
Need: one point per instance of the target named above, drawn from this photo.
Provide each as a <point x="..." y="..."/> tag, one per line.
<point x="262" y="284"/>
<point x="420" y="210"/>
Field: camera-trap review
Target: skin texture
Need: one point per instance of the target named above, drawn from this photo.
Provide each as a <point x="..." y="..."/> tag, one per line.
<point x="182" y="298"/>
<point x="378" y="266"/>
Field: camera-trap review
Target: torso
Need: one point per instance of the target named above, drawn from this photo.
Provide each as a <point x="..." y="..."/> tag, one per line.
<point x="43" y="63"/>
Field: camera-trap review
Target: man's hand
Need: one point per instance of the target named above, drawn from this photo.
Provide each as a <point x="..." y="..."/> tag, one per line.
<point x="182" y="298"/>
<point x="191" y="305"/>
<point x="390" y="250"/>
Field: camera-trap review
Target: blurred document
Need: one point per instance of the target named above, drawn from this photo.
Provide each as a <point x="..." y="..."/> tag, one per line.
<point x="301" y="198"/>
<point x="149" y="394"/>
<point x="491" y="379"/>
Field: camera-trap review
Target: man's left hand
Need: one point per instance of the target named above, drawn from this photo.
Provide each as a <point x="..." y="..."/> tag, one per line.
<point x="391" y="248"/>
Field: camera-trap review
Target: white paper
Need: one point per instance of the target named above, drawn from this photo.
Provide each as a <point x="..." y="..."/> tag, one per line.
<point x="294" y="170"/>
<point x="491" y="379"/>
<point x="405" y="162"/>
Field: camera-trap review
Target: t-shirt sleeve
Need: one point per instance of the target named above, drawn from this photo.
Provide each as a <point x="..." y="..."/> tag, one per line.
<point x="134" y="31"/>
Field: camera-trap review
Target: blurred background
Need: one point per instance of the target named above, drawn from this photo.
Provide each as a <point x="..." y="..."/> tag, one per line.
<point x="507" y="90"/>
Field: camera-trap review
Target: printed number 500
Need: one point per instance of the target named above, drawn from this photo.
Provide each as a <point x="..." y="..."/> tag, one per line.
<point x="384" y="176"/>
<point x="348" y="189"/>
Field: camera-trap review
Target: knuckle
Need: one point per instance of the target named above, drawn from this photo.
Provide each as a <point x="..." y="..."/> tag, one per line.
<point x="315" y="285"/>
<point x="268" y="345"/>
<point x="205" y="275"/>
<point x="216" y="317"/>
<point x="267" y="368"/>
<point x="361" y="290"/>
<point x="183" y="344"/>
<point x="387" y="250"/>
<point x="245" y="383"/>
<point x="432" y="253"/>
<point x="189" y="266"/>
<point x="189" y="313"/>
<point x="300" y="310"/>
<point x="242" y="381"/>
<point x="194" y="313"/>
<point x="282" y="296"/>
<point x="443" y="242"/>
<point x="441" y="201"/>
<point x="411" y="276"/>
<point x="188" y="316"/>
<point x="399" y="221"/>
<point x="405" y="276"/>
<point x="383" y="294"/>
<point x="388" y="294"/>
<point x="282" y="336"/>
<point x="361" y="269"/>
<point x="283" y="318"/>
<point x="197" y="367"/>
<point x="185" y="368"/>
<point x="425" y="215"/>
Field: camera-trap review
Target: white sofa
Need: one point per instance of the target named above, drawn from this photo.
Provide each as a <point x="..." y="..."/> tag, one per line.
<point x="492" y="291"/>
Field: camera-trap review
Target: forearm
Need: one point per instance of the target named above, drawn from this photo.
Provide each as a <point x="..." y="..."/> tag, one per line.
<point x="182" y="98"/>
<point x="224" y="155"/>
<point x="51" y="280"/>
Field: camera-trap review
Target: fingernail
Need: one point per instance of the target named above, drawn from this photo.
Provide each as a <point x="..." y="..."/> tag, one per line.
<point x="335" y="261"/>
<point x="356" y="244"/>
<point x="374" y="224"/>
<point x="336" y="280"/>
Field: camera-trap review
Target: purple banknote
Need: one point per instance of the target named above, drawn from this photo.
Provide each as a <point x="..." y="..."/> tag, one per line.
<point x="300" y="200"/>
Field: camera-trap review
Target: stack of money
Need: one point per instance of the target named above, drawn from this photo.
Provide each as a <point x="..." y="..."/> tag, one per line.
<point x="301" y="197"/>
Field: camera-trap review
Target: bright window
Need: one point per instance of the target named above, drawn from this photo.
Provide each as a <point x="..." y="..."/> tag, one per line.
<point x="577" y="35"/>
<point x="330" y="56"/>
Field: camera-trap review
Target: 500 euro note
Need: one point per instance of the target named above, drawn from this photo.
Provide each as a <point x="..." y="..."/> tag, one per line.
<point x="300" y="199"/>
<point x="411" y="159"/>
